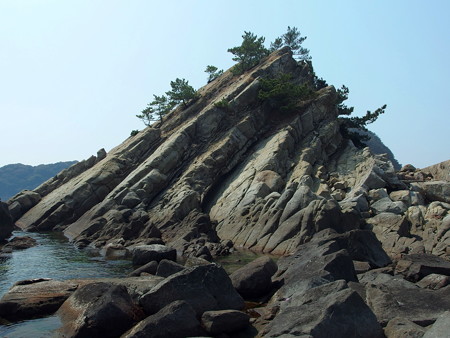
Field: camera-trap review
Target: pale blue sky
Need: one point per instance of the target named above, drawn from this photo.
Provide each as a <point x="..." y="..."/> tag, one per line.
<point x="74" y="73"/>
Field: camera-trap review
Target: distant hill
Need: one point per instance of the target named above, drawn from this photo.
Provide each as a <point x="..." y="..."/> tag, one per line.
<point x="17" y="177"/>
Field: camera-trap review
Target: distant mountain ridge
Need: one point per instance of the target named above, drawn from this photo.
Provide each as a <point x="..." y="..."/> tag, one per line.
<point x="17" y="177"/>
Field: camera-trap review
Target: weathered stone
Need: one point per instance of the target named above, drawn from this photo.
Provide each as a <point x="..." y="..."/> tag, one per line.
<point x="6" y="222"/>
<point x="403" y="328"/>
<point x="255" y="278"/>
<point x="329" y="310"/>
<point x="35" y="298"/>
<point x="20" y="243"/>
<point x="416" y="266"/>
<point x="144" y="254"/>
<point x="167" y="268"/>
<point x="177" y="320"/>
<point x="440" y="328"/>
<point x="150" y="268"/>
<point x="361" y="267"/>
<point x="434" y="281"/>
<point x="434" y="190"/>
<point x="98" y="310"/>
<point x="420" y="306"/>
<point x="225" y="321"/>
<point x="387" y="205"/>
<point x="204" y="287"/>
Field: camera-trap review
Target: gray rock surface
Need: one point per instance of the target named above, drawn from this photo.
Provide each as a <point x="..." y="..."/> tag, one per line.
<point x="225" y="321"/>
<point x="205" y="288"/>
<point x="177" y="320"/>
<point x="144" y="254"/>
<point x="98" y="310"/>
<point x="440" y="328"/>
<point x="254" y="279"/>
<point x="402" y="328"/>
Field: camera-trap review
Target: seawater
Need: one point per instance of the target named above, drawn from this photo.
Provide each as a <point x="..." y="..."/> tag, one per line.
<point x="54" y="257"/>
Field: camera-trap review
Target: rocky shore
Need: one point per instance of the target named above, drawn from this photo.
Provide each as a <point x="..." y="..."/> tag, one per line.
<point x="364" y="248"/>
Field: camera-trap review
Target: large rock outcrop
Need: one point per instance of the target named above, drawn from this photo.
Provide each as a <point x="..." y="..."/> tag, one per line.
<point x="243" y="172"/>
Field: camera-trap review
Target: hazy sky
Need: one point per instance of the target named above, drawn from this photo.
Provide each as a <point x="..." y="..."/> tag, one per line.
<point x="74" y="73"/>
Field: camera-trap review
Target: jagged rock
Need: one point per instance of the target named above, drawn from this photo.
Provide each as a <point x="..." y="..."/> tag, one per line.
<point x="434" y="281"/>
<point x="176" y="320"/>
<point x="144" y="254"/>
<point x="35" y="298"/>
<point x="20" y="243"/>
<point x="440" y="328"/>
<point x="255" y="278"/>
<point x="98" y="310"/>
<point x="225" y="321"/>
<point x="150" y="268"/>
<point x="329" y="310"/>
<point x="6" y="222"/>
<point x="401" y="328"/>
<point x="167" y="268"/>
<point x="417" y="266"/>
<point x="421" y="306"/>
<point x="387" y="205"/>
<point x="204" y="287"/>
<point x="439" y="171"/>
<point x="434" y="190"/>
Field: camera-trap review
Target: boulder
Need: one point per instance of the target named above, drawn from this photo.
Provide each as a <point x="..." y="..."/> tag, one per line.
<point x="400" y="328"/>
<point x="20" y="243"/>
<point x="329" y="310"/>
<point x="204" y="287"/>
<point x="387" y="205"/>
<point x="225" y="321"/>
<point x="150" y="268"/>
<point x="35" y="298"/>
<point x="434" y="190"/>
<point x="6" y="222"/>
<point x="440" y="328"/>
<point x="98" y="310"/>
<point x="176" y="320"/>
<point x="434" y="281"/>
<point x="421" y="306"/>
<point x="143" y="254"/>
<point x="254" y="279"/>
<point x="167" y="268"/>
<point x="416" y="266"/>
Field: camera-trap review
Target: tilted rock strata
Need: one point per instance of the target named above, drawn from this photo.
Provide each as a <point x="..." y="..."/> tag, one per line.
<point x="248" y="173"/>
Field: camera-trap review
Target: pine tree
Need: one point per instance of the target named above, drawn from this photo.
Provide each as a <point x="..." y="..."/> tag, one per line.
<point x="213" y="72"/>
<point x="249" y="53"/>
<point x="155" y="110"/>
<point x="181" y="92"/>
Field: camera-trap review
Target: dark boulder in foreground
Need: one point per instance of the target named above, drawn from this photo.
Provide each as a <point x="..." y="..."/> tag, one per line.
<point x="205" y="288"/>
<point x="254" y="279"/>
<point x="225" y="321"/>
<point x="176" y="320"/>
<point x="98" y="310"/>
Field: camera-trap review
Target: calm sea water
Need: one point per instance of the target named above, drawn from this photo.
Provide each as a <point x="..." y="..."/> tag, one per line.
<point x="53" y="257"/>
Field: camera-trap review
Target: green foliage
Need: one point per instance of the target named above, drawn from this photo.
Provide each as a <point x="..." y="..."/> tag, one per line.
<point x="249" y="53"/>
<point x="17" y="177"/>
<point x="293" y="39"/>
<point x="351" y="125"/>
<point x="213" y="72"/>
<point x="222" y="104"/>
<point x="181" y="92"/>
<point x="342" y="96"/>
<point x="281" y="93"/>
<point x="155" y="110"/>
<point x="134" y="132"/>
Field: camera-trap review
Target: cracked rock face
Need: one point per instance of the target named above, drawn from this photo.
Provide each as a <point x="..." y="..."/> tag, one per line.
<point x="250" y="174"/>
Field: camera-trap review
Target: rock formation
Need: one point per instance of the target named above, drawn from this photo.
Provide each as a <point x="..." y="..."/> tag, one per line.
<point x="243" y="174"/>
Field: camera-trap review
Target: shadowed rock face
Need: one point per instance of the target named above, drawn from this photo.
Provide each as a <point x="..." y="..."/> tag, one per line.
<point x="264" y="179"/>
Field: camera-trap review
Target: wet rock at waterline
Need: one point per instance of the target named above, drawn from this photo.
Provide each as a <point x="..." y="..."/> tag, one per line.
<point x="98" y="310"/>
<point x="19" y="243"/>
<point x="144" y="254"/>
<point x="6" y="222"/>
